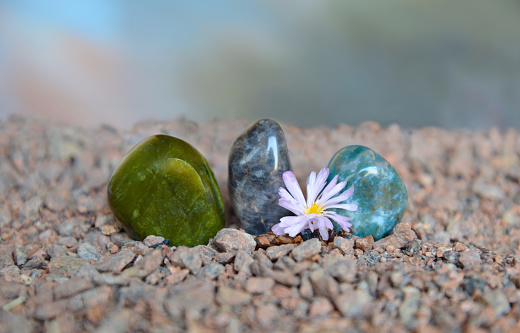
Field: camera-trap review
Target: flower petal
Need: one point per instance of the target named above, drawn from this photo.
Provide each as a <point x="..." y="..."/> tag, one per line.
<point x="293" y="206"/>
<point x="326" y="196"/>
<point x="341" y="220"/>
<point x="310" y="187"/>
<point x="351" y="207"/>
<point x="287" y="221"/>
<point x="297" y="227"/>
<point x="315" y="185"/>
<point x="292" y="185"/>
<point x="324" y="234"/>
<point x="324" y="222"/>
<point x="277" y="229"/>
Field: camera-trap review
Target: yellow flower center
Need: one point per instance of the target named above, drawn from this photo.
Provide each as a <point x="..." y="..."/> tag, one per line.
<point x="314" y="209"/>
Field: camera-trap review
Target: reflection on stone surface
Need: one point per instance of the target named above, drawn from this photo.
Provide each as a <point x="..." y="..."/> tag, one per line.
<point x="257" y="160"/>
<point x="379" y="191"/>
<point x="165" y="187"/>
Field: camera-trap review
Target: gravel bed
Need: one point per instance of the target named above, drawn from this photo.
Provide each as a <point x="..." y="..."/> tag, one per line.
<point x="452" y="265"/>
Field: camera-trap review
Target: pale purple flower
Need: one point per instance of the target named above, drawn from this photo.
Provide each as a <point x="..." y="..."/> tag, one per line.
<point x="314" y="212"/>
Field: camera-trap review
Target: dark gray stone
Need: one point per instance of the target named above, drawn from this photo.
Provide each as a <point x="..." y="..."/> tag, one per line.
<point x="257" y="160"/>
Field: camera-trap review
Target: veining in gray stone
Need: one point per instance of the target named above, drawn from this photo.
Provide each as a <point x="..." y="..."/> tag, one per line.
<point x="257" y="160"/>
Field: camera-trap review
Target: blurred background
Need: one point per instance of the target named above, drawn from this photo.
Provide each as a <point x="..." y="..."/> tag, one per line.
<point x="454" y="64"/>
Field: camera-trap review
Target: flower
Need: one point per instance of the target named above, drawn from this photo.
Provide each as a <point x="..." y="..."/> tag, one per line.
<point x="314" y="212"/>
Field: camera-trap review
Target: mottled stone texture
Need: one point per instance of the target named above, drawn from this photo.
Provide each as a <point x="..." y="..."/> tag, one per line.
<point x="165" y="187"/>
<point x="379" y="191"/>
<point x="257" y="160"/>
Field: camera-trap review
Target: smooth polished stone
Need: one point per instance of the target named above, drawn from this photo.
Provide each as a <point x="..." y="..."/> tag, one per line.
<point x="379" y="191"/>
<point x="257" y="160"/>
<point x="165" y="187"/>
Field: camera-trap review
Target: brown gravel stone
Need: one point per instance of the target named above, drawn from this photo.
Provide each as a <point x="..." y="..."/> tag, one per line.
<point x="470" y="259"/>
<point x="117" y="262"/>
<point x="306" y="249"/>
<point x="228" y="240"/>
<point x="258" y="285"/>
<point x="65" y="265"/>
<point x="50" y="310"/>
<point x="152" y="241"/>
<point x="225" y="257"/>
<point x="275" y="252"/>
<point x="6" y="256"/>
<point x="71" y="287"/>
<point x="323" y="284"/>
<point x="364" y="244"/>
<point x="243" y="261"/>
<point x="346" y="246"/>
<point x="228" y="296"/>
<point x="320" y="307"/>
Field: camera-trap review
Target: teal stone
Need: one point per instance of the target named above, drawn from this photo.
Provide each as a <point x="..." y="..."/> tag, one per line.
<point x="379" y="191"/>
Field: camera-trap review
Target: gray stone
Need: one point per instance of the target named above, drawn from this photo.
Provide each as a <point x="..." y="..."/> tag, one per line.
<point x="243" y="262"/>
<point x="257" y="159"/>
<point x="228" y="240"/>
<point x="261" y="257"/>
<point x="259" y="285"/>
<point x="285" y="263"/>
<point x="409" y="307"/>
<point x="87" y="251"/>
<point x="286" y="278"/>
<point x="228" y="296"/>
<point x="86" y="271"/>
<point x="152" y="240"/>
<point x="210" y="271"/>
<point x="307" y="249"/>
<point x="116" y="263"/>
<point x="346" y="246"/>
<point x="320" y="307"/>
<point x="56" y="250"/>
<point x="276" y="252"/>
<point x="71" y="287"/>
<point x="498" y="301"/>
<point x="54" y="202"/>
<point x="151" y="262"/>
<point x="470" y="259"/>
<point x="343" y="269"/>
<point x="64" y="265"/>
<point x="351" y="304"/>
<point x="191" y="260"/>
<point x="31" y="209"/>
<point x="323" y="284"/>
<point x="206" y="253"/>
<point x="191" y="297"/>
<point x="21" y="256"/>
<point x="108" y="278"/>
<point x="225" y="257"/>
<point x="6" y="256"/>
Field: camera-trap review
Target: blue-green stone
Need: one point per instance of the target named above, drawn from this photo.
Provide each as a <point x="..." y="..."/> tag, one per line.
<point x="379" y="191"/>
<point x="165" y="187"/>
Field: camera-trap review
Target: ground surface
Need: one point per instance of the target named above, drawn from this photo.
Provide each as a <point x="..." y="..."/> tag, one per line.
<point x="451" y="266"/>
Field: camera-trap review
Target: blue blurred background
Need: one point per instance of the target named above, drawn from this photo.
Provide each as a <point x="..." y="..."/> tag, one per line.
<point x="454" y="64"/>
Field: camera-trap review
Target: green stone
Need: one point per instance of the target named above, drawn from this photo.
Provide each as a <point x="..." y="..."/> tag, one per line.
<point x="379" y="191"/>
<point x="165" y="187"/>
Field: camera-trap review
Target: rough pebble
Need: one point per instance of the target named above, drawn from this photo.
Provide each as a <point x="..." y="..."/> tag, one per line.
<point x="228" y="240"/>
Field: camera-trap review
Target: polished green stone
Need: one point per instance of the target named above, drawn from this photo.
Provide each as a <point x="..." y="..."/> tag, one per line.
<point x="379" y="191"/>
<point x="165" y="187"/>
